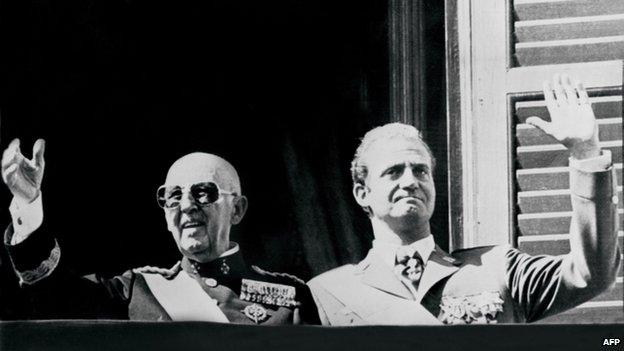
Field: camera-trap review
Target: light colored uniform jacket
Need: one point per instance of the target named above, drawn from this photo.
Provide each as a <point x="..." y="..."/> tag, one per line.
<point x="486" y="284"/>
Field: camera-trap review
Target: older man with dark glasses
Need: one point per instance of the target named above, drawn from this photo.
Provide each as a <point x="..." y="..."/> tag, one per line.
<point x="201" y="200"/>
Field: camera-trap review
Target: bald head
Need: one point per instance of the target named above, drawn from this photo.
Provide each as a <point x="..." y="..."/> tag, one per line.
<point x="202" y="231"/>
<point x="202" y="167"/>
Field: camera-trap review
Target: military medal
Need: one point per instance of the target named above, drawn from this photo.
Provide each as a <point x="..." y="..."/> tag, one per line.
<point x="256" y="313"/>
<point x="225" y="269"/>
<point x="478" y="308"/>
<point x="210" y="282"/>
<point x="268" y="293"/>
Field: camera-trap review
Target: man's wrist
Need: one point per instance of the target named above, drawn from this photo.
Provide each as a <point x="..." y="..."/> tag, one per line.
<point x="26" y="200"/>
<point x="594" y="164"/>
<point x="585" y="150"/>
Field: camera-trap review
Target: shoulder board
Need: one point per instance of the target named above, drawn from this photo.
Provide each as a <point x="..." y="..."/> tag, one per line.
<point x="337" y="276"/>
<point x="293" y="279"/>
<point x="473" y="249"/>
<point x="481" y="251"/>
<point x="168" y="273"/>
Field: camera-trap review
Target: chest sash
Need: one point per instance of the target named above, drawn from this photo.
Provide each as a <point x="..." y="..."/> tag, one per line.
<point x="378" y="307"/>
<point x="184" y="299"/>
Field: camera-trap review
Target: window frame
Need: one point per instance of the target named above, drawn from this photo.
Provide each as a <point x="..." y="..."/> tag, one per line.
<point x="478" y="96"/>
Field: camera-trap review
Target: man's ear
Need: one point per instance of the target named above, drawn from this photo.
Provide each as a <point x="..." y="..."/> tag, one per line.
<point x="360" y="192"/>
<point x="240" y="207"/>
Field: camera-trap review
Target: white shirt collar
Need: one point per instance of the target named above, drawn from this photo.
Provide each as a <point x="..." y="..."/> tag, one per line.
<point x="387" y="251"/>
<point x="234" y="248"/>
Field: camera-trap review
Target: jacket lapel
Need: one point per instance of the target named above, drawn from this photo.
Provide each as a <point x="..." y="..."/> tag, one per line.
<point x="378" y="275"/>
<point x="439" y="266"/>
<point x="400" y="310"/>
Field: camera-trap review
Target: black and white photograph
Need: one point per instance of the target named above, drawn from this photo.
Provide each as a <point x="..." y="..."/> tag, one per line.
<point x="311" y="174"/>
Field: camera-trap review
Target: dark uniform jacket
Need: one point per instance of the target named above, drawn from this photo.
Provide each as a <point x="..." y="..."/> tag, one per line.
<point x="487" y="284"/>
<point x="224" y="290"/>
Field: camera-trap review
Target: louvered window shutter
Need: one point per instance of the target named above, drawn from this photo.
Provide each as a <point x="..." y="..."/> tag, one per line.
<point x="555" y="32"/>
<point x="540" y="38"/>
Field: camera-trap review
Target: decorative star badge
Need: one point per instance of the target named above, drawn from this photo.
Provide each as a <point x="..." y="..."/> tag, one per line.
<point x="478" y="308"/>
<point x="256" y="313"/>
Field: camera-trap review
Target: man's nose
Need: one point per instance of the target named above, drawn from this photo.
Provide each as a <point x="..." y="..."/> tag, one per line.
<point x="187" y="202"/>
<point x="408" y="180"/>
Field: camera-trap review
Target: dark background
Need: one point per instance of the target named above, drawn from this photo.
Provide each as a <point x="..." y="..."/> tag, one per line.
<point x="282" y="89"/>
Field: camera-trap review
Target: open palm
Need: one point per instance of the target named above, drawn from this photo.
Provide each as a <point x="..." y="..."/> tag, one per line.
<point x="572" y="120"/>
<point x="21" y="175"/>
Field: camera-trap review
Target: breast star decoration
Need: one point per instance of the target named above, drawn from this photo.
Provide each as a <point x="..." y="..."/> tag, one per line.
<point x="478" y="308"/>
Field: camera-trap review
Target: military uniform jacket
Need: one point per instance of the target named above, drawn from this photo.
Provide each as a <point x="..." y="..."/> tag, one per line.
<point x="224" y="290"/>
<point x="487" y="284"/>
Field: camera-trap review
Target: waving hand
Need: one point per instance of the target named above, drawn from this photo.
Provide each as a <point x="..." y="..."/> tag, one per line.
<point x="572" y="120"/>
<point x="21" y="175"/>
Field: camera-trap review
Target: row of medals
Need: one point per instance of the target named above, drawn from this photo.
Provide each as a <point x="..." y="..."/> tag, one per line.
<point x="262" y="292"/>
<point x="266" y="293"/>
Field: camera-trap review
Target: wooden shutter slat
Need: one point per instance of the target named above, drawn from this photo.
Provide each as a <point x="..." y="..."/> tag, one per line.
<point x="532" y="10"/>
<point x="558" y="203"/>
<point x="569" y="28"/>
<point x="550" y="223"/>
<point x="603" y="106"/>
<point x="570" y="51"/>
<point x="543" y="201"/>
<point x="552" y="244"/>
<point x="548" y="179"/>
<point x="547" y="156"/>
<point x="609" y="129"/>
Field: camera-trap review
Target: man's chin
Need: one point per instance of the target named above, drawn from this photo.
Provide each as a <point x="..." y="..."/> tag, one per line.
<point x="408" y="216"/>
<point x="194" y="246"/>
<point x="407" y="211"/>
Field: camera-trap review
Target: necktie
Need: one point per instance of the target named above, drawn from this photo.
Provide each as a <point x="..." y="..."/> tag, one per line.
<point x="410" y="267"/>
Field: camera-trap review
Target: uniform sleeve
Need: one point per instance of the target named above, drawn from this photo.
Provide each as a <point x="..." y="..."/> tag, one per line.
<point x="34" y="257"/>
<point x="545" y="285"/>
<point x="54" y="290"/>
<point x="322" y="314"/>
<point x="308" y="309"/>
<point x="66" y="295"/>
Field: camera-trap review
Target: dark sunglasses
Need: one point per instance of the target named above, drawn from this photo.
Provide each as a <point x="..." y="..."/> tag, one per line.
<point x="204" y="194"/>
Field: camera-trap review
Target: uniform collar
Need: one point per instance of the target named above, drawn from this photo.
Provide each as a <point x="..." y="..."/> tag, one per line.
<point x="377" y="271"/>
<point x="388" y="251"/>
<point x="229" y="265"/>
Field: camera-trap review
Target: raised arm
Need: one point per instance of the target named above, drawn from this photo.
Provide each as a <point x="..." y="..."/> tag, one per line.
<point x="53" y="291"/>
<point x="32" y="259"/>
<point x="21" y="175"/>
<point x="23" y="178"/>
<point x="546" y="285"/>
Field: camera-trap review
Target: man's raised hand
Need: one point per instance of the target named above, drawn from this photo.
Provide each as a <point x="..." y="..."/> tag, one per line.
<point x="21" y="175"/>
<point x="572" y="120"/>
